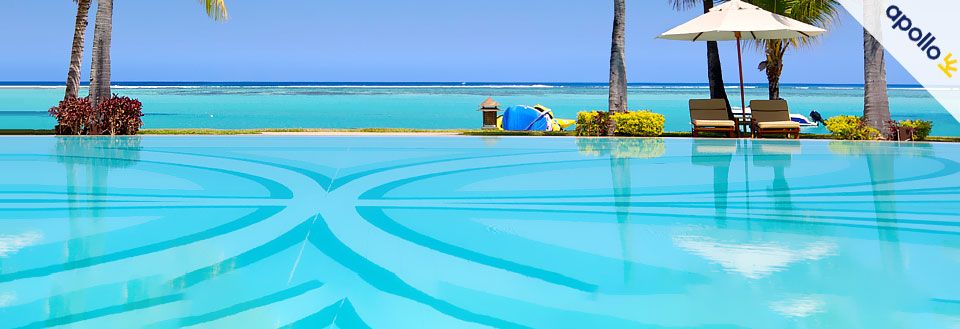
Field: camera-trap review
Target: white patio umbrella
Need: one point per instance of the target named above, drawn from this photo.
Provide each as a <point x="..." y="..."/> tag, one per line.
<point x="738" y="20"/>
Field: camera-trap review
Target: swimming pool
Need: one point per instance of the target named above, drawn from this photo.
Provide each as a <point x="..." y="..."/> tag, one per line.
<point x="451" y="232"/>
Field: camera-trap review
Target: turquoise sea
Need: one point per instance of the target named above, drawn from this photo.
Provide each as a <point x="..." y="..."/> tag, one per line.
<point x="23" y="105"/>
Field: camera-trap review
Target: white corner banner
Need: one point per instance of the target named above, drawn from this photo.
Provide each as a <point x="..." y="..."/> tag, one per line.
<point x="923" y="36"/>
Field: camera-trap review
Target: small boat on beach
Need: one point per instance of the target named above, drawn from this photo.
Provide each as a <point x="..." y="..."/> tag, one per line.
<point x="803" y="120"/>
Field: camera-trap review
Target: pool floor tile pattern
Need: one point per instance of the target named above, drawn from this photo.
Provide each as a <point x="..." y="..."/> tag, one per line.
<point x="459" y="232"/>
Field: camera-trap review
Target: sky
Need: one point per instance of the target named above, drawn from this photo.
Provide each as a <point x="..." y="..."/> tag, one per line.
<point x="400" y="41"/>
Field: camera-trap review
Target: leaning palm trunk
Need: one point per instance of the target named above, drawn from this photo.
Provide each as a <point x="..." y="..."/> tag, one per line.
<point x="100" y="67"/>
<point x="618" y="70"/>
<point x="876" y="105"/>
<point x="714" y="68"/>
<point x="76" y="53"/>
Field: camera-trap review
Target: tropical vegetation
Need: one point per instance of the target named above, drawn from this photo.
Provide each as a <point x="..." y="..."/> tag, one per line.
<point x="714" y="68"/>
<point x="116" y="115"/>
<point x="592" y="123"/>
<point x="850" y="127"/>
<point x="639" y="123"/>
<point x="100" y="75"/>
<point x="920" y="128"/>
<point x="104" y="113"/>
<point x="821" y="13"/>
<point x="630" y="123"/>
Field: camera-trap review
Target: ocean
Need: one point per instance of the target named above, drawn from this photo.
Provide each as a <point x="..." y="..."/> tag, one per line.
<point x="233" y="105"/>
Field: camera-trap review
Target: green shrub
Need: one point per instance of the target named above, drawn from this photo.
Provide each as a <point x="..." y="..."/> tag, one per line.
<point x="592" y="123"/>
<point x="638" y="123"/>
<point x="851" y="128"/>
<point x="921" y="128"/>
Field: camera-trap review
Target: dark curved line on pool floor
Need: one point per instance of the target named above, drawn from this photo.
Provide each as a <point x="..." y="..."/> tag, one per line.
<point x="334" y="183"/>
<point x="277" y="190"/>
<point x="760" y="192"/>
<point x="57" y="201"/>
<point x="257" y="216"/>
<point x="78" y="193"/>
<point x="382" y="279"/>
<point x="662" y="215"/>
<point x="249" y="257"/>
<point x="792" y="211"/>
<point x="377" y="217"/>
<point x="341" y="181"/>
<point x="240" y="307"/>
<point x="379" y="192"/>
<point x="946" y="301"/>
<point x="127" y="207"/>
<point x="287" y="240"/>
<point x="321" y="179"/>
<point x="341" y="313"/>
<point x="106" y="311"/>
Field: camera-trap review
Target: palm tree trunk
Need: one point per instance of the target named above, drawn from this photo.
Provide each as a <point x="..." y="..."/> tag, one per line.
<point x="618" y="70"/>
<point x="76" y="53"/>
<point x="773" y="80"/>
<point x="100" y="66"/>
<point x="714" y="68"/>
<point x="774" y="66"/>
<point x="876" y="105"/>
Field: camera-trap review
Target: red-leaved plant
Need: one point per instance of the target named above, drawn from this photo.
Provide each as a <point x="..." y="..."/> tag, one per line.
<point x="73" y="115"/>
<point x="115" y="116"/>
<point x="120" y="116"/>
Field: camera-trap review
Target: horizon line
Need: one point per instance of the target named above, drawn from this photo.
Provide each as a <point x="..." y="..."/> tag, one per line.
<point x="61" y="83"/>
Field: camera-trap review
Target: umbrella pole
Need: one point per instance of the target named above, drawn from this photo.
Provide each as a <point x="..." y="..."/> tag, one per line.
<point x="743" y="101"/>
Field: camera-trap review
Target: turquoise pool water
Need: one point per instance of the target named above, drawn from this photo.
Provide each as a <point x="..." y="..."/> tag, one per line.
<point x="462" y="232"/>
<point x="431" y="105"/>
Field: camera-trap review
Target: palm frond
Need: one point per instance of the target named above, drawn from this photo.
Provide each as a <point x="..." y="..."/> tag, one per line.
<point x="216" y="9"/>
<point x="684" y="4"/>
<point x="821" y="13"/>
<point x="689" y="4"/>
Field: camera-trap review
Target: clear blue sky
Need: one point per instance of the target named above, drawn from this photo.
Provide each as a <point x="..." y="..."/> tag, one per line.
<point x="395" y="41"/>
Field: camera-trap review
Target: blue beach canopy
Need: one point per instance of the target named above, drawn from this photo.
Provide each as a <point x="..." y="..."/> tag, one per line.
<point x="522" y="117"/>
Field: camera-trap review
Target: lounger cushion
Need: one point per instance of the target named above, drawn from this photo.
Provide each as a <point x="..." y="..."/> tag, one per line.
<point x="779" y="125"/>
<point x="714" y="123"/>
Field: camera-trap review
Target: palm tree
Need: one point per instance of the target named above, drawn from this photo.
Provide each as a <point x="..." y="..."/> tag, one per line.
<point x="618" y="70"/>
<point x="822" y="13"/>
<point x="76" y="52"/>
<point x="100" y="67"/>
<point x="102" y="34"/>
<point x="876" y="105"/>
<point x="714" y="69"/>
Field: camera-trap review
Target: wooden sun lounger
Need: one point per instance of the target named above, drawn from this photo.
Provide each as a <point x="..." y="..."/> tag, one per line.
<point x="710" y="115"/>
<point x="772" y="118"/>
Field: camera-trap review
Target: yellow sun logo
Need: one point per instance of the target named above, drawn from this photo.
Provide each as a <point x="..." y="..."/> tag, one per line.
<point x="947" y="66"/>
